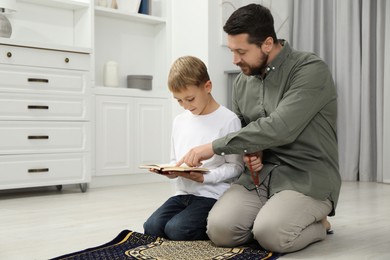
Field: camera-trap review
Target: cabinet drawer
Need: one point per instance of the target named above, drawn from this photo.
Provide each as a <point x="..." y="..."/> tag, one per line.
<point x="38" y="137"/>
<point x="40" y="80"/>
<point x="41" y="107"/>
<point x="19" y="171"/>
<point x="15" y="55"/>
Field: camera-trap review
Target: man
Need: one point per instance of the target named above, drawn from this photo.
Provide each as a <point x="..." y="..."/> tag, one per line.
<point x="287" y="103"/>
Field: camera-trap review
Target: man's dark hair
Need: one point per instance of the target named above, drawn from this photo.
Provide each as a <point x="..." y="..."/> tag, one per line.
<point x="253" y="19"/>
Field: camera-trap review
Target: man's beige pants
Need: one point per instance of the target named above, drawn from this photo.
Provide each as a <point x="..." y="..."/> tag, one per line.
<point x="287" y="222"/>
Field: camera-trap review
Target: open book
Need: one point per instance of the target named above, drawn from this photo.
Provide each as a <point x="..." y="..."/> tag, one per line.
<point x="161" y="168"/>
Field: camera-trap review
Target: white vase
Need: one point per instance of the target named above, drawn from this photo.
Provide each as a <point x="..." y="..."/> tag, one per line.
<point x="102" y="3"/>
<point x="111" y="74"/>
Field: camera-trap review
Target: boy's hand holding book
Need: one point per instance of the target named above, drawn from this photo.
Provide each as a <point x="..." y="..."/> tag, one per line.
<point x="192" y="175"/>
<point x="172" y="171"/>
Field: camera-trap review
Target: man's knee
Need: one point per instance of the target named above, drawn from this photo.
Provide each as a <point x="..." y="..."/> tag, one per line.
<point x="219" y="233"/>
<point x="268" y="235"/>
<point x="223" y="231"/>
<point x="276" y="236"/>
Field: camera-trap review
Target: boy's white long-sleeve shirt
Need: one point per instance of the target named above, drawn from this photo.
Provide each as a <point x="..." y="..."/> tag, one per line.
<point x="190" y="130"/>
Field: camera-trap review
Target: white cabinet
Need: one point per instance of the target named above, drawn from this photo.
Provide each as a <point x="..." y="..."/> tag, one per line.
<point x="130" y="131"/>
<point x="51" y="75"/>
<point x="44" y="117"/>
<point x="132" y="125"/>
<point x="45" y="95"/>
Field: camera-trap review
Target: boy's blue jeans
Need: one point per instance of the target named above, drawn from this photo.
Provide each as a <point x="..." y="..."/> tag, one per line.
<point x="181" y="217"/>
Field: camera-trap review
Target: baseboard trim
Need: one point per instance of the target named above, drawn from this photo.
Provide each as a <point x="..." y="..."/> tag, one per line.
<point x="122" y="180"/>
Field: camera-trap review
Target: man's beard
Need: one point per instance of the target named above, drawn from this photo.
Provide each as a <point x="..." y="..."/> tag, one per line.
<point x="254" y="71"/>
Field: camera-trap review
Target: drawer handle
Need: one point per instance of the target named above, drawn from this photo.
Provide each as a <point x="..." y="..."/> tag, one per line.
<point x="39" y="170"/>
<point x="9" y="54"/>
<point x="37" y="107"/>
<point x="67" y="60"/>
<point x="38" y="137"/>
<point x="38" y="80"/>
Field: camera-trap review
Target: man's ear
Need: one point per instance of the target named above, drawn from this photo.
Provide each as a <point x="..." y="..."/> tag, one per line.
<point x="268" y="44"/>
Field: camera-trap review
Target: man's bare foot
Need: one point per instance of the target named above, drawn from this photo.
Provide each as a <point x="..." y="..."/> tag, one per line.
<point x="326" y="223"/>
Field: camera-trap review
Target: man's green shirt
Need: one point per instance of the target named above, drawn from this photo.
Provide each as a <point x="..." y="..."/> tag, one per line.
<point x="290" y="115"/>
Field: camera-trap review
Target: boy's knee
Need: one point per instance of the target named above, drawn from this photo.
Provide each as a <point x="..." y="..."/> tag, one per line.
<point x="175" y="233"/>
<point x="176" y="230"/>
<point x="153" y="228"/>
<point x="147" y="227"/>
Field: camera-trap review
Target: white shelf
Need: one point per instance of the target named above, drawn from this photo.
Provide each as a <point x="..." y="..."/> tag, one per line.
<point x="135" y="17"/>
<point x="130" y="92"/>
<point x="48" y="46"/>
<point x="64" y="4"/>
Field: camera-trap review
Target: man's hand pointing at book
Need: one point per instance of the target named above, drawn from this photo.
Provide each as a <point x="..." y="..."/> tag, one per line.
<point x="196" y="155"/>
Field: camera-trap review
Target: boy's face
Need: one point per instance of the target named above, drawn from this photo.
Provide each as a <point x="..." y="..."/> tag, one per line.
<point x="195" y="99"/>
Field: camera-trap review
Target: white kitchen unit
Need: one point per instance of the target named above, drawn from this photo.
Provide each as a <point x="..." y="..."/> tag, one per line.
<point x="130" y="131"/>
<point x="44" y="117"/>
<point x="51" y="71"/>
<point x="45" y="95"/>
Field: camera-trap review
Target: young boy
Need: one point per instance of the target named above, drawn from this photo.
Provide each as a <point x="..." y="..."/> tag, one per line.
<point x="184" y="216"/>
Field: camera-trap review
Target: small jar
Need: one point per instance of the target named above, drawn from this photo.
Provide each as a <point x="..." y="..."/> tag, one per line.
<point x="103" y="3"/>
<point x="111" y="74"/>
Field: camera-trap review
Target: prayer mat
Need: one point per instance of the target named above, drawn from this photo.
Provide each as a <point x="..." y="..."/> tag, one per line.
<point x="132" y="245"/>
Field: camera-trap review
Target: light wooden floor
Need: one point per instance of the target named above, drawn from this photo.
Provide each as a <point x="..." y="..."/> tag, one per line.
<point x="44" y="223"/>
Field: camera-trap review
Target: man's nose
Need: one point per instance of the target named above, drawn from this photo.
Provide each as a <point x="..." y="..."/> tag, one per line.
<point x="236" y="59"/>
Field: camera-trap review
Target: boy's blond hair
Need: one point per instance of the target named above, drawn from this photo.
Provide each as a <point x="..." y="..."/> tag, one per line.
<point x="187" y="71"/>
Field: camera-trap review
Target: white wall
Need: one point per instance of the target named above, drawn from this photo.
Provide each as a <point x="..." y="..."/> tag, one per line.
<point x="220" y="57"/>
<point x="189" y="32"/>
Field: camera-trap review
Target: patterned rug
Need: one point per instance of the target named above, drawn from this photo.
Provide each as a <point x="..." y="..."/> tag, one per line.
<point x="133" y="245"/>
